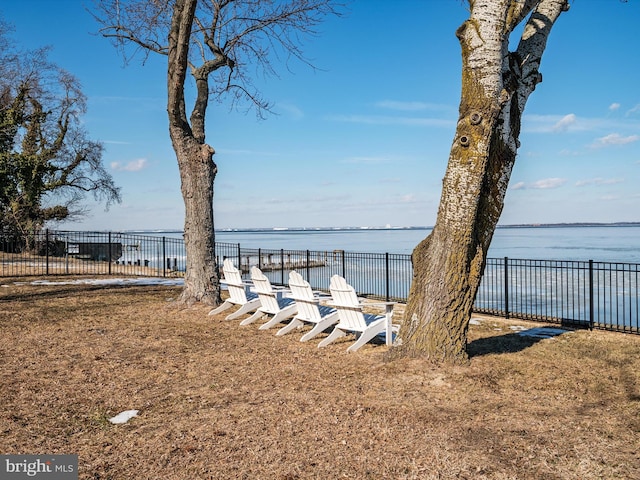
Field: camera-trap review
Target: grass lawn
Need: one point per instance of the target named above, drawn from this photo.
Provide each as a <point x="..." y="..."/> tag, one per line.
<point x="221" y="401"/>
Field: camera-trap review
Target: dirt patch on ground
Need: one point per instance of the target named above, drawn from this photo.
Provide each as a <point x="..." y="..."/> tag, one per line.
<point x="217" y="400"/>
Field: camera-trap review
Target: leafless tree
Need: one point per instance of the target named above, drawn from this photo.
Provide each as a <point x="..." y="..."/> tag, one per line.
<point x="219" y="43"/>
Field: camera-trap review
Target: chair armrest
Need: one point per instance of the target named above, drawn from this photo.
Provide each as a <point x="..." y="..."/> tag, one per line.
<point x="305" y="300"/>
<point x="340" y="305"/>
<point x="278" y="288"/>
<point x="366" y="304"/>
<point x="322" y="295"/>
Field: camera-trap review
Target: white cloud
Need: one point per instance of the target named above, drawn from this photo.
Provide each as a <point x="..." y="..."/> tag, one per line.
<point x="565" y="123"/>
<point x="634" y="110"/>
<point x="614" y="139"/>
<point x="409" y="106"/>
<point x="132" y="166"/>
<point x="548" y="183"/>
<point x="599" y="181"/>
<point x="386" y="120"/>
<point x="292" y="110"/>
<point x="614" y="106"/>
<point x="556" y="123"/>
<point x="573" y="123"/>
<point x="408" y="198"/>
<point x="545" y="183"/>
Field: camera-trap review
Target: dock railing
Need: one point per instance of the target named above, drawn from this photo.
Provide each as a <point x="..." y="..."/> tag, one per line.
<point x="588" y="294"/>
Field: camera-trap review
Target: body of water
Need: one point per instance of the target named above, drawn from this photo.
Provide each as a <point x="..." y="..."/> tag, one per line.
<point x="598" y="243"/>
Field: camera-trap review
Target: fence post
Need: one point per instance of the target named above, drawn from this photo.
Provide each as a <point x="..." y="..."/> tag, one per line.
<point x="591" y="313"/>
<point x="259" y="259"/>
<point x="506" y="287"/>
<point x="46" y="249"/>
<point x="308" y="267"/>
<point x="344" y="269"/>
<point x="109" y="253"/>
<point x="239" y="260"/>
<point x="164" y="256"/>
<point x="282" y="266"/>
<point x="386" y="274"/>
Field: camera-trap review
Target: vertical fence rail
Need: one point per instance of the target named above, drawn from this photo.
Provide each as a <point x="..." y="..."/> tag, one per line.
<point x="386" y="276"/>
<point x="109" y="252"/>
<point x="46" y="249"/>
<point x="164" y="255"/>
<point x="591" y="310"/>
<point x="506" y="287"/>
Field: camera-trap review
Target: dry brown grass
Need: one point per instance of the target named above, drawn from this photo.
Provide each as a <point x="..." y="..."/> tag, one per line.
<point x="221" y="401"/>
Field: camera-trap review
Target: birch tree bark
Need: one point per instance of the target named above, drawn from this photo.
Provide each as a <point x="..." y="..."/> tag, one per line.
<point x="496" y="84"/>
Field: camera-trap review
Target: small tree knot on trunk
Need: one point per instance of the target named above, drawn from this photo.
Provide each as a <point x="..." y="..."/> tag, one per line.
<point x="475" y="118"/>
<point x="207" y="151"/>
<point x="537" y="78"/>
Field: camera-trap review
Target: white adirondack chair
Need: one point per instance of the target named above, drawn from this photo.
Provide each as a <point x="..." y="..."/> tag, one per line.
<point x="353" y="320"/>
<point x="309" y="309"/>
<point x="272" y="302"/>
<point x="239" y="293"/>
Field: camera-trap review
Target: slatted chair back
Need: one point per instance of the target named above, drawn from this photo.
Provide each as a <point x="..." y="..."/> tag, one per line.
<point x="233" y="280"/>
<point x="346" y="302"/>
<point x="263" y="288"/>
<point x="302" y="293"/>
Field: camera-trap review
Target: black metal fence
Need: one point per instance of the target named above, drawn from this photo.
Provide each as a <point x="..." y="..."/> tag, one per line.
<point x="91" y="253"/>
<point x="589" y="294"/>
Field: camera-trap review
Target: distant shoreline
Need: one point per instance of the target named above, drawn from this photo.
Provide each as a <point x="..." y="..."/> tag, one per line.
<point x="577" y="224"/>
<point x="364" y="229"/>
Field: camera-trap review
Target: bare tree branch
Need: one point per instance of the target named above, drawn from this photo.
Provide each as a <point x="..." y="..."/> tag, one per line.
<point x="231" y="35"/>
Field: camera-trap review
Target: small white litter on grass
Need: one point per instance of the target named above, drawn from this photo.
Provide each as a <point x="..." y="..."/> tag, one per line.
<point x="543" y="332"/>
<point x="517" y="327"/>
<point x="474" y="321"/>
<point x="123" y="417"/>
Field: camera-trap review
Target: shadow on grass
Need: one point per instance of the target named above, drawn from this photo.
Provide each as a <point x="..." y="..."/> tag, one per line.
<point x="509" y="343"/>
<point x="517" y="341"/>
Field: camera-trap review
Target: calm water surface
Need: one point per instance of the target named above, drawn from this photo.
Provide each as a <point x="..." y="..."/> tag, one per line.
<point x="603" y="243"/>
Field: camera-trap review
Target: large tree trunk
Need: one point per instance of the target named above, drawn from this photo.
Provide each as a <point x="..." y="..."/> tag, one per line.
<point x="449" y="263"/>
<point x="197" y="174"/>
<point x="195" y="161"/>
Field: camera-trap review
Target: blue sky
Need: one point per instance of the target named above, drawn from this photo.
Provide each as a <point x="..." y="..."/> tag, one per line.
<point x="364" y="139"/>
